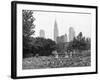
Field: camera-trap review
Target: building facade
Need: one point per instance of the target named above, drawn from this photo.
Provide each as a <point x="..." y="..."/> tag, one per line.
<point x="42" y="33"/>
<point x="62" y="39"/>
<point x="71" y="33"/>
<point x="56" y="33"/>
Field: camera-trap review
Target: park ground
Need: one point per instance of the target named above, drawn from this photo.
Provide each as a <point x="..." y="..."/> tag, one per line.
<point x="76" y="60"/>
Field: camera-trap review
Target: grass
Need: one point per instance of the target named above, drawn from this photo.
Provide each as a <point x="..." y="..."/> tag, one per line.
<point x="77" y="60"/>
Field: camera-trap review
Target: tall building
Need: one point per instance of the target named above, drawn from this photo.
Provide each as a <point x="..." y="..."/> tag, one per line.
<point x="62" y="39"/>
<point x="42" y="33"/>
<point x="65" y="38"/>
<point x="71" y="33"/>
<point x="56" y="33"/>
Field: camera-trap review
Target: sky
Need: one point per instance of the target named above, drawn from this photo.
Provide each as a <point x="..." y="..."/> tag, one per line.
<point x="46" y="20"/>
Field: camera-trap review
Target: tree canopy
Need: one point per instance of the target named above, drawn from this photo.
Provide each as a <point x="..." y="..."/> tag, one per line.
<point x="43" y="47"/>
<point x="28" y="29"/>
<point x="79" y="43"/>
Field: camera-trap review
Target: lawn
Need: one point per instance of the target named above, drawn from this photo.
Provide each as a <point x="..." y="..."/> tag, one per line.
<point x="77" y="60"/>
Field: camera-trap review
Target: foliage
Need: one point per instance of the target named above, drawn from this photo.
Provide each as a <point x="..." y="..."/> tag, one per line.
<point x="43" y="47"/>
<point x="28" y="31"/>
<point x="78" y="60"/>
<point x="28" y="25"/>
<point x="60" y="47"/>
<point x="79" y="43"/>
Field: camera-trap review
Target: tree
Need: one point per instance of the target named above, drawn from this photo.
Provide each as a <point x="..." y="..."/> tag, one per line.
<point x="84" y="43"/>
<point x="80" y="36"/>
<point x="28" y="25"/>
<point x="60" y="47"/>
<point x="79" y="43"/>
<point x="43" y="47"/>
<point x="88" y="42"/>
<point x="28" y="31"/>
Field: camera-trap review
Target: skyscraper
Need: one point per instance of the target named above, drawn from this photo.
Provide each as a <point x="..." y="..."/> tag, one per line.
<point x="42" y="33"/>
<point x="65" y="38"/>
<point x="71" y="33"/>
<point x="56" y="33"/>
<point x="62" y="38"/>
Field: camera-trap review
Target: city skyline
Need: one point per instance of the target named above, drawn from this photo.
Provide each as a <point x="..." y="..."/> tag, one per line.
<point x="57" y="38"/>
<point x="46" y="21"/>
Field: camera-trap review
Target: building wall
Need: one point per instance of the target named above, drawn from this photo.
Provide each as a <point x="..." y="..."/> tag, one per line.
<point x="42" y="33"/>
<point x="55" y="31"/>
<point x="71" y="33"/>
<point x="61" y="39"/>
